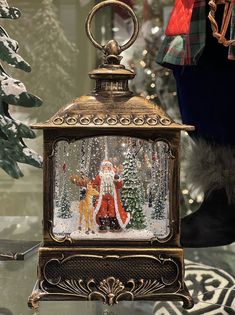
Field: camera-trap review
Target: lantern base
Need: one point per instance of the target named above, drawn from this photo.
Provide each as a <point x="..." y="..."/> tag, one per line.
<point x="40" y="295"/>
<point x="17" y="250"/>
<point x="110" y="275"/>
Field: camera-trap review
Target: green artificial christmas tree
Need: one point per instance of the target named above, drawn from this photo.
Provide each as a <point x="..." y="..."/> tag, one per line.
<point x="64" y="211"/>
<point x="132" y="196"/>
<point x="13" y="150"/>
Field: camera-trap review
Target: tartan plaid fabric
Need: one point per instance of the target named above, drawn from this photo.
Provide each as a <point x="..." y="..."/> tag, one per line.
<point x="186" y="49"/>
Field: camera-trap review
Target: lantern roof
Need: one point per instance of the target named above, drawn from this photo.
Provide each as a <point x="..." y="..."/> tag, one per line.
<point x="109" y="111"/>
<point x="111" y="104"/>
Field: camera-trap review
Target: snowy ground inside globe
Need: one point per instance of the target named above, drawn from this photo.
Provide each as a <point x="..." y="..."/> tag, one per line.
<point x="69" y="227"/>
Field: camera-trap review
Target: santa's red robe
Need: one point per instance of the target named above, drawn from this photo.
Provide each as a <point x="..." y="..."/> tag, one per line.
<point x="109" y="204"/>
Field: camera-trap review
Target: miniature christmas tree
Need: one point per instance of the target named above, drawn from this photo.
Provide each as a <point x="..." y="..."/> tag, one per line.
<point x="159" y="182"/>
<point x="64" y="210"/>
<point x="12" y="91"/>
<point x="159" y="207"/>
<point x="132" y="196"/>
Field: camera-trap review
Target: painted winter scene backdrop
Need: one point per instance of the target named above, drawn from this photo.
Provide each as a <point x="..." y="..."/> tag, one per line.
<point x="111" y="188"/>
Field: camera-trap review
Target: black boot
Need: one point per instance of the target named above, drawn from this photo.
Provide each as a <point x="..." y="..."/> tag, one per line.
<point x="114" y="225"/>
<point x="213" y="224"/>
<point x="103" y="225"/>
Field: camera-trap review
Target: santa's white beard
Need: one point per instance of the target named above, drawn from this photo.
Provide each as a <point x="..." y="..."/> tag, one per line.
<point x="107" y="174"/>
<point x="106" y="180"/>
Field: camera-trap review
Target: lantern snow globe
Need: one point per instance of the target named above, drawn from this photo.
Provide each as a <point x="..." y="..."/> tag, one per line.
<point x="111" y="193"/>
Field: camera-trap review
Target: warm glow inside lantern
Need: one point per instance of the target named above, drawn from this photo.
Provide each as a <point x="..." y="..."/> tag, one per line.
<point x="111" y="194"/>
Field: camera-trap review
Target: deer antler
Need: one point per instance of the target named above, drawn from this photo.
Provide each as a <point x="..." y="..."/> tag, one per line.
<point x="81" y="181"/>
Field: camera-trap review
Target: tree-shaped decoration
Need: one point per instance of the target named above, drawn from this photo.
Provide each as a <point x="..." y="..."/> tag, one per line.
<point x="13" y="149"/>
<point x="64" y="211"/>
<point x="64" y="204"/>
<point x="50" y="49"/>
<point x="160" y="181"/>
<point x="132" y="199"/>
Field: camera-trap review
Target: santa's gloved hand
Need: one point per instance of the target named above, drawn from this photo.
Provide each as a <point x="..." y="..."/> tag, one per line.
<point x="116" y="177"/>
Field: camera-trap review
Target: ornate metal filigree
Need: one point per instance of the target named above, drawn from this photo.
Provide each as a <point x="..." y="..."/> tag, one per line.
<point x="110" y="290"/>
<point x="55" y="238"/>
<point x="111" y="120"/>
<point x="111" y="109"/>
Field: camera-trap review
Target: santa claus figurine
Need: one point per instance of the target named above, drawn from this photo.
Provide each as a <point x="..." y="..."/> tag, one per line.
<point x="109" y="213"/>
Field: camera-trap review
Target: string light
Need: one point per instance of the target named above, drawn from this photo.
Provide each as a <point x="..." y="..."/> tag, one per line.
<point x="143" y="64"/>
<point x="199" y="198"/>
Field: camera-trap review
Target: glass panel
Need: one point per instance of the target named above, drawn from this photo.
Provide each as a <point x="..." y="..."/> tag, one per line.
<point x="111" y="188"/>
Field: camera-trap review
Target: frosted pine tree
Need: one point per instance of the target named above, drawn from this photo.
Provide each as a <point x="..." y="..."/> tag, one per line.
<point x="64" y="211"/>
<point x="13" y="150"/>
<point x="160" y="181"/>
<point x="54" y="57"/>
<point x="158" y="206"/>
<point x="132" y="196"/>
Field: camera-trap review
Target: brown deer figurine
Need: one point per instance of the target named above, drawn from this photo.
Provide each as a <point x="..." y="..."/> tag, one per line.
<point x="85" y="207"/>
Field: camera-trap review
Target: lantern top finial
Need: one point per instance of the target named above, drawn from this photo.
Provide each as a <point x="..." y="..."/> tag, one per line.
<point x="112" y="49"/>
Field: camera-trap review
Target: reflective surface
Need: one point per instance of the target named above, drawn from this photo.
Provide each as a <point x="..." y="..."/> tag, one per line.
<point x="213" y="289"/>
<point x="21" y="201"/>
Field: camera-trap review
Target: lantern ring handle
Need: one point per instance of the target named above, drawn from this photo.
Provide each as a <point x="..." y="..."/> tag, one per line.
<point x="105" y="4"/>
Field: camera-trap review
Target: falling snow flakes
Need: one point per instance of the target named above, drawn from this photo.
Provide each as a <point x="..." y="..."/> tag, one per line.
<point x="69" y="227"/>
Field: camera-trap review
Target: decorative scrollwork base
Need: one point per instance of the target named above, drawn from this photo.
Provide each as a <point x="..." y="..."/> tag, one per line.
<point x="110" y="278"/>
<point x="110" y="291"/>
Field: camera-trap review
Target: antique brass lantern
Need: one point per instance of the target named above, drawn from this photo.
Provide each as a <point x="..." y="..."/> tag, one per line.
<point x="111" y="193"/>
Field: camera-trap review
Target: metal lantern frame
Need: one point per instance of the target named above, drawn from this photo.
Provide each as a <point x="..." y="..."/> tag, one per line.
<point x="111" y="270"/>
